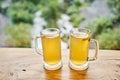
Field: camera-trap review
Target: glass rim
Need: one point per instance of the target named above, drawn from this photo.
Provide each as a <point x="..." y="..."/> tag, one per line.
<point x="87" y="30"/>
<point x="50" y="30"/>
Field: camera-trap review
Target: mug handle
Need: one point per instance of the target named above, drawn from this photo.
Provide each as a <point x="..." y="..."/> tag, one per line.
<point x="96" y="50"/>
<point x="36" y="46"/>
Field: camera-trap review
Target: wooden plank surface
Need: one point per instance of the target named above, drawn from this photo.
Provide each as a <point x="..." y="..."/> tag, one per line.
<point x="26" y="64"/>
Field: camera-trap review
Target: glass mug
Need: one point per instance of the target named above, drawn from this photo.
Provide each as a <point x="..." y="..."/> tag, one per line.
<point x="51" y="44"/>
<point x="80" y="40"/>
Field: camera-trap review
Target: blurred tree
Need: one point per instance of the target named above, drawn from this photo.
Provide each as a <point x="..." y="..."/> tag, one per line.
<point x="3" y="9"/>
<point x="102" y="28"/>
<point x="33" y="1"/>
<point x="1" y="4"/>
<point x="22" y="12"/>
<point x="51" y="12"/>
<point x="110" y="39"/>
<point x="115" y="7"/>
<point x="76" y="19"/>
<point x="74" y="11"/>
<point x="99" y="24"/>
<point x="89" y="1"/>
<point x="18" y="35"/>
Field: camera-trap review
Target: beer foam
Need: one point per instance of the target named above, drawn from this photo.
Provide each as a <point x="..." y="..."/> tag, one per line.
<point x="80" y="35"/>
<point x="49" y="34"/>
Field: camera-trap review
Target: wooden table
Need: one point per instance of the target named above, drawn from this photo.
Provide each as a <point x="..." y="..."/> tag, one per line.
<point x="25" y="64"/>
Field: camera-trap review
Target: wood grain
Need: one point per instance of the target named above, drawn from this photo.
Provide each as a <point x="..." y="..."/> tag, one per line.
<point x="26" y="64"/>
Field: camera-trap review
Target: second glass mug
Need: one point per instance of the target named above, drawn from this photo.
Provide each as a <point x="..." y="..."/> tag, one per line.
<point x="51" y="44"/>
<point x="80" y="39"/>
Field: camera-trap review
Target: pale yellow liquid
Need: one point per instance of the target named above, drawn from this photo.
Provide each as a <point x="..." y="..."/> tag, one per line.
<point x="79" y="46"/>
<point x="51" y="49"/>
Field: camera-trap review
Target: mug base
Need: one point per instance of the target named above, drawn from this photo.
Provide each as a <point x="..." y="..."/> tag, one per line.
<point x="76" y="67"/>
<point x="52" y="67"/>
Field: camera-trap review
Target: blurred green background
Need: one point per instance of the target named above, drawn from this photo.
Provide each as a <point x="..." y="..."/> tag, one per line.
<point x="21" y="13"/>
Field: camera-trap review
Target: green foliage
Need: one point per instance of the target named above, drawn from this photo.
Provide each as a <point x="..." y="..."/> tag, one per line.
<point x="89" y="1"/>
<point x="19" y="35"/>
<point x="50" y="12"/>
<point x="1" y="4"/>
<point x="73" y="9"/>
<point x="3" y="10"/>
<point x="115" y="7"/>
<point x="105" y="32"/>
<point x="110" y="39"/>
<point x="33" y="1"/>
<point x="76" y="19"/>
<point x="22" y="12"/>
<point x="99" y="25"/>
<point x="74" y="12"/>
